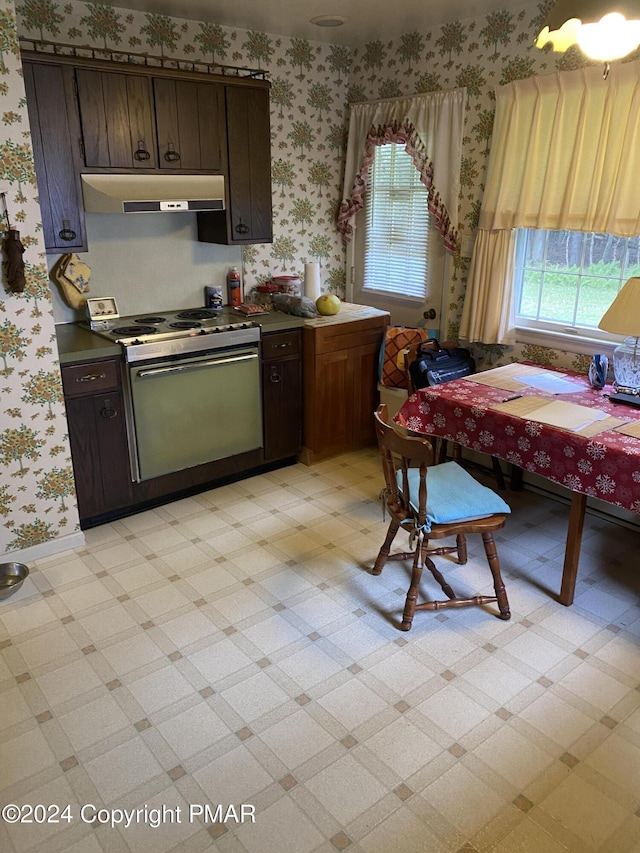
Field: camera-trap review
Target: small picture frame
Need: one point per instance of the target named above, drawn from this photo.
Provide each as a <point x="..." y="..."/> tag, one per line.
<point x="102" y="308"/>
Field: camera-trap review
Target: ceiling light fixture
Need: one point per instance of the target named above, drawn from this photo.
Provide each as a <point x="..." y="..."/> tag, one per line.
<point x="328" y="21"/>
<point x="602" y="29"/>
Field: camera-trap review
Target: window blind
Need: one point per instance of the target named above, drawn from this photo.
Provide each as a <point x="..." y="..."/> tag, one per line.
<point x="397" y="226"/>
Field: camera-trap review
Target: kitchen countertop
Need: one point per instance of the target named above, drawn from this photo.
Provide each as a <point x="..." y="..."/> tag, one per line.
<point x="349" y="313"/>
<point x="78" y="344"/>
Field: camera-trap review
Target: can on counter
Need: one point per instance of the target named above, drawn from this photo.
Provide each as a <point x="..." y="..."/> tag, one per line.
<point x="213" y="297"/>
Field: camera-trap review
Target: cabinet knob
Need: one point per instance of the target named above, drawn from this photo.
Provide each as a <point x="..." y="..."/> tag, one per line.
<point x="171" y="155"/>
<point x="66" y="233"/>
<point x="274" y="376"/>
<point x="141" y="153"/>
<point x="108" y="412"/>
<point x="241" y="228"/>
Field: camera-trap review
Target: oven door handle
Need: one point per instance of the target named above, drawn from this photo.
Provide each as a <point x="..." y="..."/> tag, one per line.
<point x="178" y="368"/>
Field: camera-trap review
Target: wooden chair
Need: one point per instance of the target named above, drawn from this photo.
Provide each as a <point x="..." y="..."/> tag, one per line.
<point x="443" y="452"/>
<point x="435" y="515"/>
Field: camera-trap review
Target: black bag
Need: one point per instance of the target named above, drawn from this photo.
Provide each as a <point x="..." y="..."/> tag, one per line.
<point x="434" y="365"/>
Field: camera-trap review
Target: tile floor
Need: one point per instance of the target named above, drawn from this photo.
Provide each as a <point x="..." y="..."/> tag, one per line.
<point x="231" y="649"/>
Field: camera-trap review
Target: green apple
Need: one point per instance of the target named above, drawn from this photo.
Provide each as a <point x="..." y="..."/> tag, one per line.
<point x="328" y="304"/>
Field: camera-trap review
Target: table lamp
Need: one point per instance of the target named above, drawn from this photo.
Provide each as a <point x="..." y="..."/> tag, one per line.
<point x="623" y="318"/>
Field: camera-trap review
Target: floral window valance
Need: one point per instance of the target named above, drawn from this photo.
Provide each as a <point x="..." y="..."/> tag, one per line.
<point x="430" y="127"/>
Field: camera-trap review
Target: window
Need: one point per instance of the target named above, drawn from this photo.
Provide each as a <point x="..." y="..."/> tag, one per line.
<point x="397" y="232"/>
<point x="566" y="280"/>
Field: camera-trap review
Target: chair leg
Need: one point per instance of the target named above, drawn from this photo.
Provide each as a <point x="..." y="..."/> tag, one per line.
<point x="412" y="594"/>
<point x="461" y="547"/>
<point x="386" y="548"/>
<point x="498" y="584"/>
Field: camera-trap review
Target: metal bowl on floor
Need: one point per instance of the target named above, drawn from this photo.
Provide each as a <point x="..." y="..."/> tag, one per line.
<point x="12" y="577"/>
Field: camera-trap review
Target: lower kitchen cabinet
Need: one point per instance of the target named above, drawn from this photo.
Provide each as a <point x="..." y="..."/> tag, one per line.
<point x="282" y="394"/>
<point x="98" y="436"/>
<point x="340" y="371"/>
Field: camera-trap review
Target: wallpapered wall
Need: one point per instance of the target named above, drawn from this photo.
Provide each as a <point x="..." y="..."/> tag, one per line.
<point x="37" y="494"/>
<point x="312" y="85"/>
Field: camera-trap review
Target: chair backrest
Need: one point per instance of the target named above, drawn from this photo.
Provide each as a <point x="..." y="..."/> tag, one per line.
<point x="400" y="453"/>
<point x="391" y="370"/>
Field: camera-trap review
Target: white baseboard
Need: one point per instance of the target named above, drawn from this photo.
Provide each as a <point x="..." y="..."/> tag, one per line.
<point x="46" y="549"/>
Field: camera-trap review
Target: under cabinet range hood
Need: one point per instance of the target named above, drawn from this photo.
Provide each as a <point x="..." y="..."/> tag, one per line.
<point x="152" y="193"/>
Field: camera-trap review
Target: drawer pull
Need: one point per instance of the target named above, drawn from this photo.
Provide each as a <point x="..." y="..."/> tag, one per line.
<point x="282" y="346"/>
<point x="274" y="376"/>
<point x="241" y="228"/>
<point x="91" y="377"/>
<point x="109" y="413"/>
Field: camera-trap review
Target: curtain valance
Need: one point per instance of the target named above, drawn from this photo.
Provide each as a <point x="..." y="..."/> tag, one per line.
<point x="565" y="154"/>
<point x="430" y="126"/>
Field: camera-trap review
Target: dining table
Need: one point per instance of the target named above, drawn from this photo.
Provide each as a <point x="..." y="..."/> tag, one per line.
<point x="547" y="421"/>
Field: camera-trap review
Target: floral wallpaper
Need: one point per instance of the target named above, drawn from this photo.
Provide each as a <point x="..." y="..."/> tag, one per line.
<point x="312" y="85"/>
<point x="308" y="104"/>
<point x="37" y="492"/>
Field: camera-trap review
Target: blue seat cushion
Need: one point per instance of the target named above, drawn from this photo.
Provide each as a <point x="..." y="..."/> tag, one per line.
<point x="453" y="495"/>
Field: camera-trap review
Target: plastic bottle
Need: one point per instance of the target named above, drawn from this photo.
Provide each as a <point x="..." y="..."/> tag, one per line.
<point x="233" y="288"/>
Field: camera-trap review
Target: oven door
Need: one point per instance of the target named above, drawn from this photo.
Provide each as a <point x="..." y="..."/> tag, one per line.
<point x="194" y="410"/>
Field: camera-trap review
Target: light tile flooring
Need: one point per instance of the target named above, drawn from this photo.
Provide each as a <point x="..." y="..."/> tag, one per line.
<point x="231" y="648"/>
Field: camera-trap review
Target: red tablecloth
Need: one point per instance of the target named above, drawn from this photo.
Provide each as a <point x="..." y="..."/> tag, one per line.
<point x="606" y="466"/>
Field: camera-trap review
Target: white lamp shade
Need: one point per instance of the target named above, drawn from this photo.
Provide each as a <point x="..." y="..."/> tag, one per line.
<point x="623" y="316"/>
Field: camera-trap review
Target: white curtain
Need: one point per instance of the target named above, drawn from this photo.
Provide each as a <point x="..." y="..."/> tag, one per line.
<point x="431" y="127"/>
<point x="565" y="154"/>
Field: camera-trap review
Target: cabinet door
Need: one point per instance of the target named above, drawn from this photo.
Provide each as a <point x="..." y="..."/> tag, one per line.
<point x="55" y="138"/>
<point x="98" y="439"/>
<point x="117" y="120"/>
<point x="328" y="426"/>
<point x="249" y="155"/>
<point x="366" y="396"/>
<point x="189" y="119"/>
<point x="248" y="218"/>
<point x="282" y="395"/>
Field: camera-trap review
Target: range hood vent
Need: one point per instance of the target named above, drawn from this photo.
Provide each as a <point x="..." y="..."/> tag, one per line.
<point x="152" y="193"/>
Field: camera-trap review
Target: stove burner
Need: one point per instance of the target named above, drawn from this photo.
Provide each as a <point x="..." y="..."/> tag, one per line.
<point x="197" y="314"/>
<point x="131" y="331"/>
<point x="185" y="324"/>
<point x="150" y="321"/>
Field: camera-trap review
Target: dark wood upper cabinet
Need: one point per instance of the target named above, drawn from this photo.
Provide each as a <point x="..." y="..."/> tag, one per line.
<point x="189" y="119"/>
<point x="55" y="136"/>
<point x="95" y="116"/>
<point x="132" y="121"/>
<point x="248" y="218"/>
<point x="116" y="114"/>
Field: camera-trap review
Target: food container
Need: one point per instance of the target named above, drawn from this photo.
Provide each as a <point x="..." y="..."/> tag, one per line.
<point x="12" y="576"/>
<point x="290" y="284"/>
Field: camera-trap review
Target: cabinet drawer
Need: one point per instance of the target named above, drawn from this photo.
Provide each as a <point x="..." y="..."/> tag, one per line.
<point x="90" y="377"/>
<point x="280" y="344"/>
<point x="344" y="336"/>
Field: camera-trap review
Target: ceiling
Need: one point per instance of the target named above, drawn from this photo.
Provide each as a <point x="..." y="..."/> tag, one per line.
<point x="365" y="20"/>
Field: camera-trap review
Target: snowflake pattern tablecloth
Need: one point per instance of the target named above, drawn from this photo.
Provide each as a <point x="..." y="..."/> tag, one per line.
<point x="606" y="466"/>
